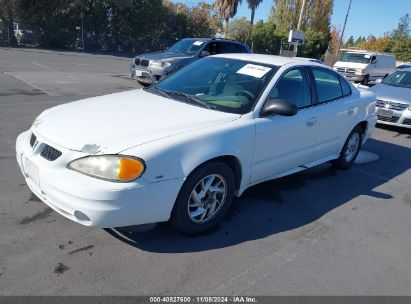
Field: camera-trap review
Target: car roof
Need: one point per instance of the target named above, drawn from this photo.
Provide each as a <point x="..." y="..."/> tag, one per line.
<point x="268" y="59"/>
<point x="213" y="39"/>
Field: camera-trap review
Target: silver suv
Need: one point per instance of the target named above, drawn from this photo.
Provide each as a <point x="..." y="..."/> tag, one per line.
<point x="149" y="68"/>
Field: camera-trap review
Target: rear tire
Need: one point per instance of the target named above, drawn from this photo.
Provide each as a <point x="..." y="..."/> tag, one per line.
<point x="350" y="149"/>
<point x="204" y="198"/>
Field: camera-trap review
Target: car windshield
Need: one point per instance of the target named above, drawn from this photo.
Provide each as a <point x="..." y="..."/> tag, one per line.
<point x="400" y="79"/>
<point x="356" y="57"/>
<point x="187" y="46"/>
<point x="222" y="84"/>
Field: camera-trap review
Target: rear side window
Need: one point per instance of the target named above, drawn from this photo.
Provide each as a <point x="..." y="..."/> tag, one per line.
<point x="346" y="89"/>
<point x="328" y="85"/>
<point x="213" y="48"/>
<point x="231" y="48"/>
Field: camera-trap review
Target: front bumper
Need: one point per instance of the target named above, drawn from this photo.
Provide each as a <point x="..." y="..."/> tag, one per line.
<point x="146" y="74"/>
<point x="90" y="201"/>
<point x="354" y="77"/>
<point x="398" y="118"/>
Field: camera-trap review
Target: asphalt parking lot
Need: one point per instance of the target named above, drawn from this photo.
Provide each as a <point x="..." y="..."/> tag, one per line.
<point x="319" y="232"/>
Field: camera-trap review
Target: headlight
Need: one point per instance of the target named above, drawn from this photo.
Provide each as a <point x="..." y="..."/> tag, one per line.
<point x="116" y="168"/>
<point x="360" y="71"/>
<point x="409" y="108"/>
<point x="160" y="64"/>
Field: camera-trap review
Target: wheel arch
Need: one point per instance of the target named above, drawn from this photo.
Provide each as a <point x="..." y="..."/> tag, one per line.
<point x="364" y="125"/>
<point x="230" y="160"/>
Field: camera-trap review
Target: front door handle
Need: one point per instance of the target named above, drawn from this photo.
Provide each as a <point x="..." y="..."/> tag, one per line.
<point x="351" y="111"/>
<point x="311" y="122"/>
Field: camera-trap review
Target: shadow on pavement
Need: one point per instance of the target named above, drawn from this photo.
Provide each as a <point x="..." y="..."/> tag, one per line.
<point x="399" y="130"/>
<point x="281" y="205"/>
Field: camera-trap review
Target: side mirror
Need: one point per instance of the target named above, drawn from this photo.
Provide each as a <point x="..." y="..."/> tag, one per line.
<point x="204" y="53"/>
<point x="279" y="107"/>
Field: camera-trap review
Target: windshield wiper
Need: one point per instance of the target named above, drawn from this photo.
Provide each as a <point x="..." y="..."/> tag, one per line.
<point x="157" y="91"/>
<point x="192" y="99"/>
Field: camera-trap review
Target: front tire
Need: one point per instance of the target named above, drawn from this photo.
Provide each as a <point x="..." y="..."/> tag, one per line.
<point x="350" y="149"/>
<point x="204" y="198"/>
<point x="365" y="80"/>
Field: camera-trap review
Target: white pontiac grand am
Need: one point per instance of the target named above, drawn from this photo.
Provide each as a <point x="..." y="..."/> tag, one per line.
<point x="181" y="149"/>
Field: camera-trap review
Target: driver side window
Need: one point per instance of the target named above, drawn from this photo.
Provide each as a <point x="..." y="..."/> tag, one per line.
<point x="293" y="86"/>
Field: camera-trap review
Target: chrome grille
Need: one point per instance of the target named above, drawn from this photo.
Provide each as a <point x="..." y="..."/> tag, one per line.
<point x="396" y="106"/>
<point x="33" y="139"/>
<point x="388" y="119"/>
<point x="50" y="153"/>
<point x="346" y="70"/>
<point x="144" y="62"/>
<point x="136" y="61"/>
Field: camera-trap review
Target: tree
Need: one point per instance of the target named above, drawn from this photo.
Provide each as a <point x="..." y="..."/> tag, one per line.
<point x="400" y="39"/>
<point x="284" y="14"/>
<point x="403" y="29"/>
<point x="315" y="45"/>
<point x="349" y="42"/>
<point x="334" y="40"/>
<point x="316" y="16"/>
<point x="8" y="14"/>
<point x="239" y="29"/>
<point x="267" y="38"/>
<point x="315" y="22"/>
<point x="319" y="18"/>
<point x="227" y="9"/>
<point x="252" y="5"/>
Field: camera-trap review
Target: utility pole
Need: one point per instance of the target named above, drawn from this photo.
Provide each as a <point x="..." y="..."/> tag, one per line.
<point x="300" y="19"/>
<point x="342" y="33"/>
<point x="82" y="30"/>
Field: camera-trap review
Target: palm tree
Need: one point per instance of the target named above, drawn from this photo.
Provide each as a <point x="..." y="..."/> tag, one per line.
<point x="252" y="5"/>
<point x="226" y="9"/>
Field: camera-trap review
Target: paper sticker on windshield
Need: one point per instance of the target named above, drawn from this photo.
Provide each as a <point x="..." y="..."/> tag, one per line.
<point x="253" y="70"/>
<point x="367" y="56"/>
<point x="198" y="42"/>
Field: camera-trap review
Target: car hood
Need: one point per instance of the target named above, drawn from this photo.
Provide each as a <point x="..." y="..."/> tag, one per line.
<point x="351" y="65"/>
<point x="164" y="55"/>
<point x="391" y="93"/>
<point x="116" y="122"/>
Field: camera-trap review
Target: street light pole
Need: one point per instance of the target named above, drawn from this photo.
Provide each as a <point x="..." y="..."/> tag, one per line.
<point x="300" y="19"/>
<point x="342" y="33"/>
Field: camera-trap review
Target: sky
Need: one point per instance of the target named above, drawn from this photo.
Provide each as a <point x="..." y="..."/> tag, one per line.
<point x="366" y="16"/>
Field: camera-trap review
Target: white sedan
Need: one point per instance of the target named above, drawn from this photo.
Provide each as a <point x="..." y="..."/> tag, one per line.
<point x="181" y="149"/>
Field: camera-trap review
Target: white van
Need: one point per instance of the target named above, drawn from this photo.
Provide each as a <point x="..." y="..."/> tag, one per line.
<point x="364" y="66"/>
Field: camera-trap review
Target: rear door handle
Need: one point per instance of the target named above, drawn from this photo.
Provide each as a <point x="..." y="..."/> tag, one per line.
<point x="351" y="111"/>
<point x="311" y="121"/>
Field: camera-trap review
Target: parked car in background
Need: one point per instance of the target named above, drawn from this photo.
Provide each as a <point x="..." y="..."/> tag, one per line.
<point x="180" y="150"/>
<point x="394" y="99"/>
<point x="150" y="68"/>
<point x="406" y="65"/>
<point x="363" y="66"/>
